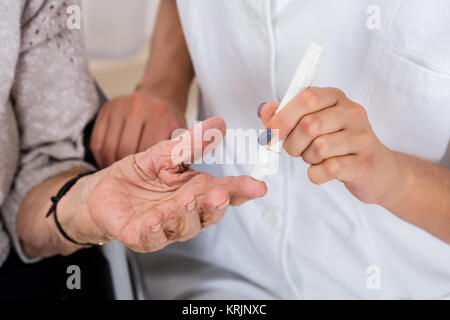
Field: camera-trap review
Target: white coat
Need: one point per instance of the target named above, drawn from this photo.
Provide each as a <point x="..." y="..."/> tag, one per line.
<point x="304" y="241"/>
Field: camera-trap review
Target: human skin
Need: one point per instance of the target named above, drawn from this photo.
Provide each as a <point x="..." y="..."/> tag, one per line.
<point x="333" y="134"/>
<point x="415" y="190"/>
<point x="135" y="122"/>
<point x="146" y="201"/>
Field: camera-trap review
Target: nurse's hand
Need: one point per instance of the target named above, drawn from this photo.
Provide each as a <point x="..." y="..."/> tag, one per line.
<point x="333" y="134"/>
<point x="150" y="200"/>
<point x="134" y="123"/>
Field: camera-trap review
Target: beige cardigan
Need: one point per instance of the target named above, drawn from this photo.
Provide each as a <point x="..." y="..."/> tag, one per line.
<point x="46" y="98"/>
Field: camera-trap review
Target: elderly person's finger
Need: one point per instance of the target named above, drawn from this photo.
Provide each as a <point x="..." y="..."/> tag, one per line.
<point x="240" y="189"/>
<point x="162" y="202"/>
<point x="180" y="219"/>
<point x="173" y="220"/>
<point x="213" y="207"/>
<point x="198" y="141"/>
<point x="152" y="236"/>
<point x="168" y="158"/>
<point x="143" y="232"/>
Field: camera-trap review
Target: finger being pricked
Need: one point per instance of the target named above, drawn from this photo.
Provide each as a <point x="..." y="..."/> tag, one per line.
<point x="240" y="189"/>
<point x="214" y="195"/>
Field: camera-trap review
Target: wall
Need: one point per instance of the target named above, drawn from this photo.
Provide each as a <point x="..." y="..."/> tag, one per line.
<point x="117" y="36"/>
<point x="118" y="29"/>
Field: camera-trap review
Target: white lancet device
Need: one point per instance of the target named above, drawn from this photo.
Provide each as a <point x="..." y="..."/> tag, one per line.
<point x="268" y="156"/>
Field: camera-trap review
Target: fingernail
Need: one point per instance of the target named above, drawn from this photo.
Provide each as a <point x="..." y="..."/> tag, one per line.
<point x="258" y="111"/>
<point x="265" y="137"/>
<point x="191" y="206"/>
<point x="156" y="227"/>
<point x="224" y="205"/>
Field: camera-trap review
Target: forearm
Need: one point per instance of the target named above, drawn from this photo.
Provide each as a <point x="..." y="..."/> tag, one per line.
<point x="422" y="196"/>
<point x="38" y="235"/>
<point x="169" y="71"/>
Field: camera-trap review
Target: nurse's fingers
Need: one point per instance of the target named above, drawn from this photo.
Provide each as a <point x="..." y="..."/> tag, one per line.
<point x="340" y="168"/>
<point x="309" y="101"/>
<point x="110" y="146"/>
<point x="151" y="136"/>
<point x="98" y="137"/>
<point x="129" y="140"/>
<point x="312" y="126"/>
<point x="332" y="145"/>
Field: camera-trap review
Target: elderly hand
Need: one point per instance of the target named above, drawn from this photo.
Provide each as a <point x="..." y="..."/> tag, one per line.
<point x="149" y="200"/>
<point x="333" y="135"/>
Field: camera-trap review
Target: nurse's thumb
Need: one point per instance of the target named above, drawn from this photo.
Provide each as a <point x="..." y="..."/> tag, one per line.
<point x="266" y="111"/>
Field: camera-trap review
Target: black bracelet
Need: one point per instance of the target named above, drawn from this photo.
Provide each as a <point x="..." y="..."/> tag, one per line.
<point x="61" y="193"/>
